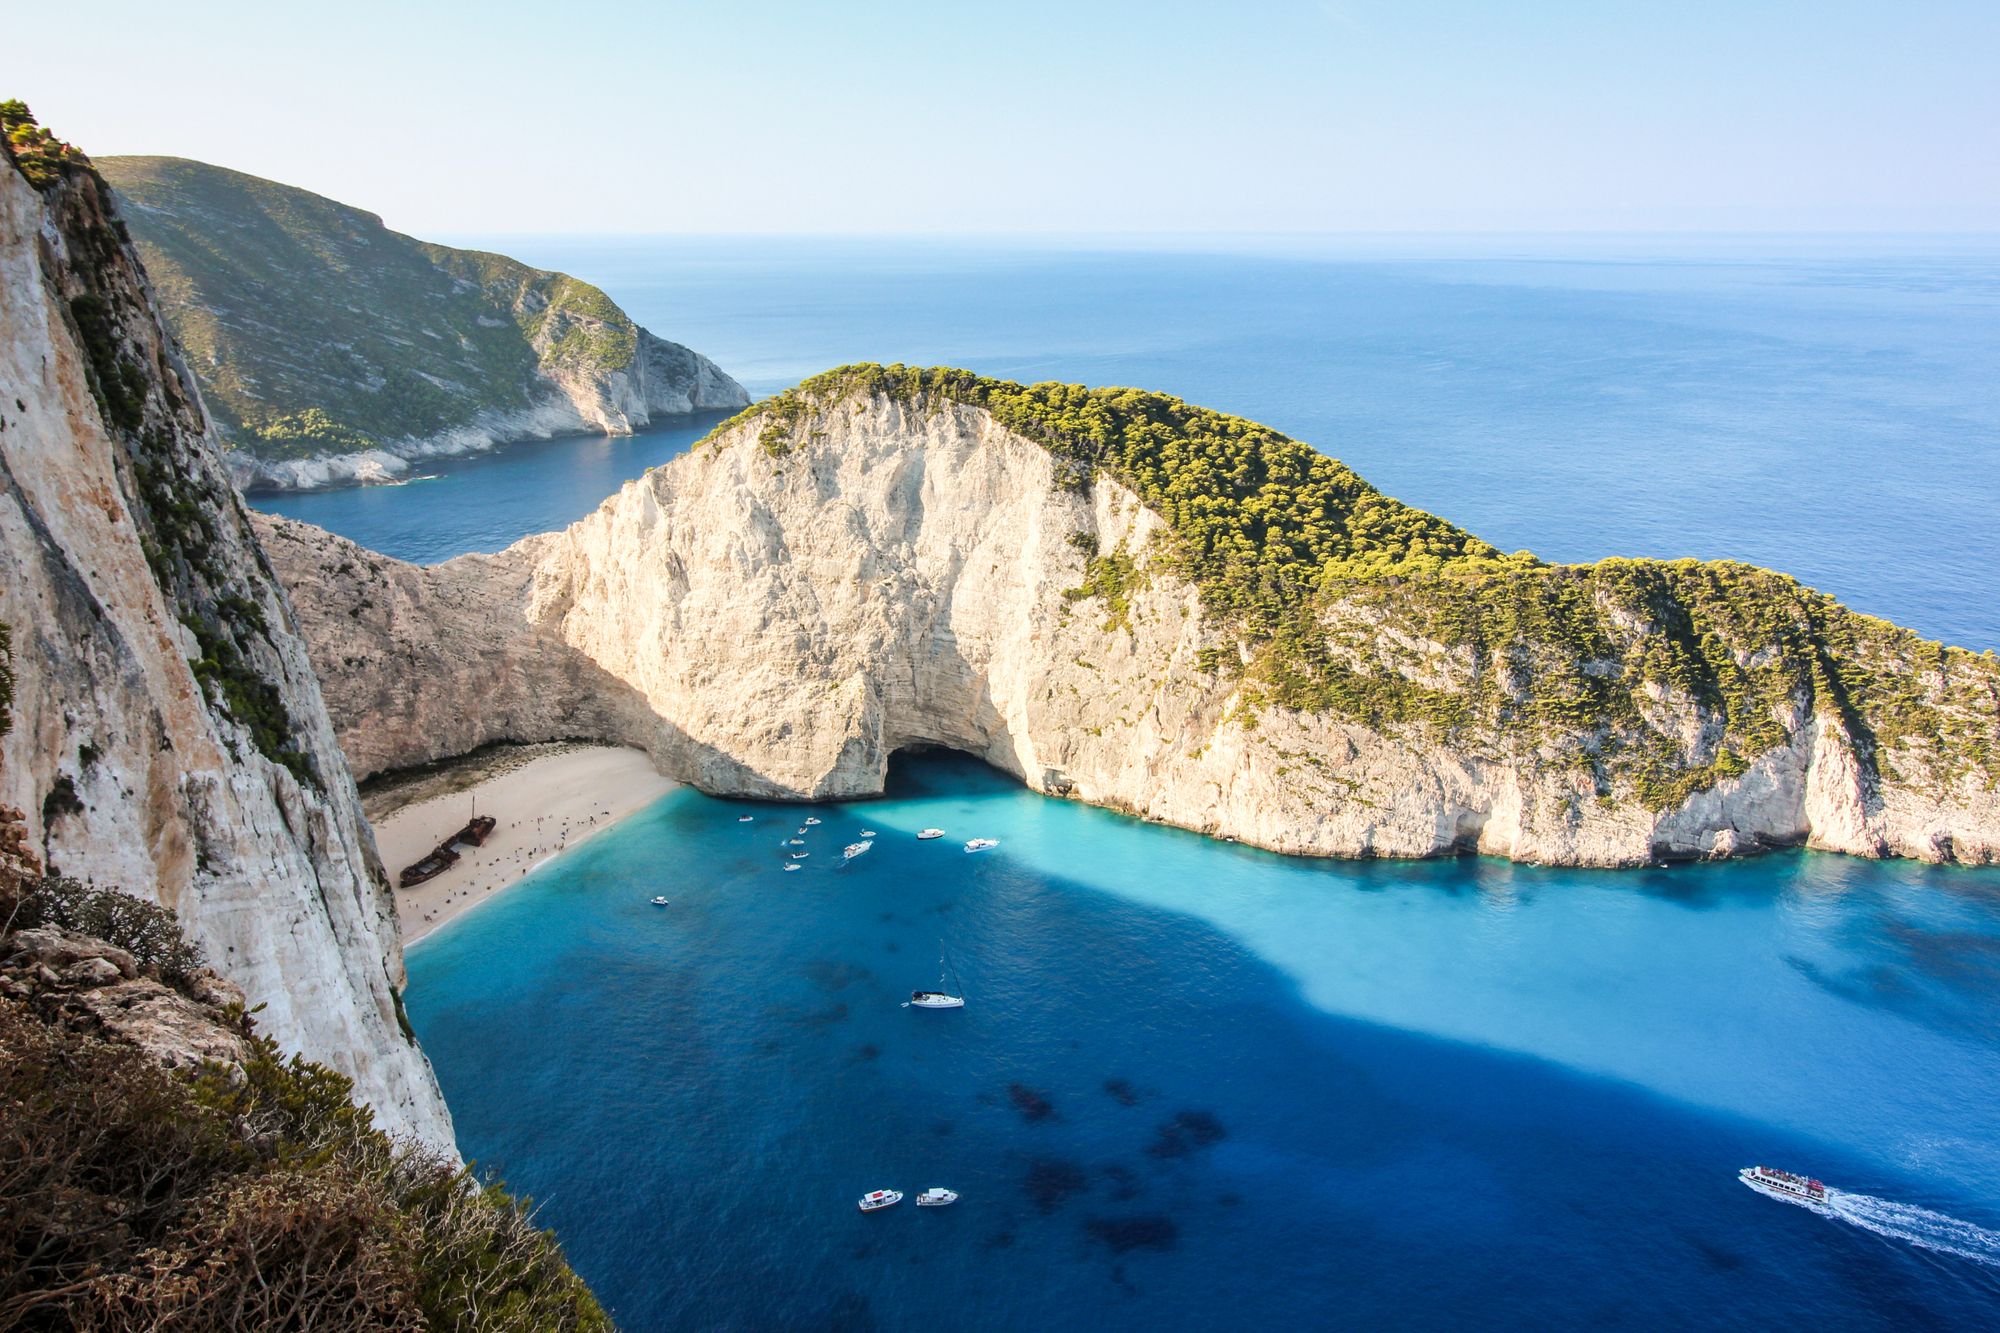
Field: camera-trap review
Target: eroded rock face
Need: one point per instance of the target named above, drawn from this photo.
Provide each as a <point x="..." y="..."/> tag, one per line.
<point x="780" y="626"/>
<point x="167" y="736"/>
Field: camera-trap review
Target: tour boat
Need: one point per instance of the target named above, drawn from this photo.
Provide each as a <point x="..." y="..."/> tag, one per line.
<point x="875" y="1199"/>
<point x="981" y="844"/>
<point x="854" y="849"/>
<point x="812" y="819"/>
<point x="659" y="902"/>
<point x="936" y="1198"/>
<point x="930" y="833"/>
<point x="793" y="865"/>
<point x="1784" y="1185"/>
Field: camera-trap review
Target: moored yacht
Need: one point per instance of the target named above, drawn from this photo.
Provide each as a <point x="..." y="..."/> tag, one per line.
<point x="875" y="1199"/>
<point x="936" y="1198"/>
<point x="660" y="901"/>
<point x="1784" y="1185"/>
<point x="930" y="833"/>
<point x="981" y="844"/>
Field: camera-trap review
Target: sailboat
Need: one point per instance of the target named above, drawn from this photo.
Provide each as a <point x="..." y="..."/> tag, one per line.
<point x="939" y="998"/>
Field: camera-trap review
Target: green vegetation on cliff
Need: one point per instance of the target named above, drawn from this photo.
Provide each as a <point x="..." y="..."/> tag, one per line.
<point x="1654" y="679"/>
<point x="40" y="155"/>
<point x="225" y="1196"/>
<point x="314" y="329"/>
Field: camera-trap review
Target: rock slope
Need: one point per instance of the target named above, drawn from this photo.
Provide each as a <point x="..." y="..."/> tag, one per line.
<point x="163" y="731"/>
<point x="333" y="350"/>
<point x="1120" y="598"/>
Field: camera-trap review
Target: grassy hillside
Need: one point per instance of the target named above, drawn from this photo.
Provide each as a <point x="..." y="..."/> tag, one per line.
<point x="314" y="329"/>
<point x="1656" y="677"/>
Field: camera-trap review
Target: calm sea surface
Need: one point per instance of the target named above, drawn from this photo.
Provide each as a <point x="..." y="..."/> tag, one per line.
<point x="1201" y="1087"/>
<point x="1197" y="1086"/>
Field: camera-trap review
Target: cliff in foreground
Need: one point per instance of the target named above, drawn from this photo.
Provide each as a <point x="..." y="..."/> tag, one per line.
<point x="161" y="730"/>
<point x="1122" y="598"/>
<point x="331" y="349"/>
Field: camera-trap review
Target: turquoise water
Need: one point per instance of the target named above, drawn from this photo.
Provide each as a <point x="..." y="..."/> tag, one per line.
<point x="1831" y="409"/>
<point x="1198" y="1086"/>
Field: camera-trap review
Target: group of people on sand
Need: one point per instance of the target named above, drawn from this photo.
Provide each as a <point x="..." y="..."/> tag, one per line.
<point x="521" y="856"/>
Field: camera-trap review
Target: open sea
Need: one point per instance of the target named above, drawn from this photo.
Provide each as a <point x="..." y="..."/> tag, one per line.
<point x="1198" y="1086"/>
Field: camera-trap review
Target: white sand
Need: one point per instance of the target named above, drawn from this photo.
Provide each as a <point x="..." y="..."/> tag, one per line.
<point x="544" y="807"/>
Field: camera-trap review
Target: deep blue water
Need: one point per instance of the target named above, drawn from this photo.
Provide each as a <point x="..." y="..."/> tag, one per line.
<point x="1830" y="408"/>
<point x="1198" y="1086"/>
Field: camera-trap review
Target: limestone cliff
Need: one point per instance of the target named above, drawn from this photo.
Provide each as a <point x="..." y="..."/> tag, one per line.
<point x="165" y="734"/>
<point x="333" y="350"/>
<point x="1127" y="600"/>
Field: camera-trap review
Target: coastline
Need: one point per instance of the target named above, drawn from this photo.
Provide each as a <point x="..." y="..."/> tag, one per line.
<point x="544" y="802"/>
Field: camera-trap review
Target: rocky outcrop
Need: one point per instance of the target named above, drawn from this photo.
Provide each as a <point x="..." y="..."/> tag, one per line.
<point x="333" y="350"/>
<point x="857" y="571"/>
<point x="166" y="735"/>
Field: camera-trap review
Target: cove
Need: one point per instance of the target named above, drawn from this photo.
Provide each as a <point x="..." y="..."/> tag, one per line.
<point x="1198" y="1086"/>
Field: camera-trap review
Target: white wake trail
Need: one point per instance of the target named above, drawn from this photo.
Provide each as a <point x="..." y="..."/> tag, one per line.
<point x="1917" y="1226"/>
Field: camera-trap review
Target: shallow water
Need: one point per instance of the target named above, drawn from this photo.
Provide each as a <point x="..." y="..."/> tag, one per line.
<point x="1199" y="1086"/>
<point x="1830" y="409"/>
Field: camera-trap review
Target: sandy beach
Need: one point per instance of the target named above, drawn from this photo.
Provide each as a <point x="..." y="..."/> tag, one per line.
<point x="546" y="802"/>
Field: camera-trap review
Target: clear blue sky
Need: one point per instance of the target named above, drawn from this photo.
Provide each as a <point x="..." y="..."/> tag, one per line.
<point x="1070" y="117"/>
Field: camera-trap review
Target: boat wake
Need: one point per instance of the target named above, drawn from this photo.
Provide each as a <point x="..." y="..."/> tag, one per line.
<point x="1916" y="1226"/>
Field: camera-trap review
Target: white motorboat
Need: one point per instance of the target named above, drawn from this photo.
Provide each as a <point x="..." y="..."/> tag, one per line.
<point x="877" y="1199"/>
<point x="659" y="902"/>
<point x="868" y="833"/>
<point x="811" y="820"/>
<point x="800" y="856"/>
<point x="744" y="819"/>
<point x="981" y="844"/>
<point x="796" y="842"/>
<point x="930" y="833"/>
<point x="936" y="1198"/>
<point x="854" y="849"/>
<point x="793" y="865"/>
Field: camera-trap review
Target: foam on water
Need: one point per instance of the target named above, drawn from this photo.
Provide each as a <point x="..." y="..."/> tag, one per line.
<point x="1918" y="1226"/>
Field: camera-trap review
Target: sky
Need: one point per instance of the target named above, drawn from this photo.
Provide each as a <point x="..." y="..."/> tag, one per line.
<point x="1025" y="118"/>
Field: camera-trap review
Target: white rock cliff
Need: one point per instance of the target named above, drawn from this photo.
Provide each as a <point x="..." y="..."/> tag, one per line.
<point x="905" y="575"/>
<point x="166" y="734"/>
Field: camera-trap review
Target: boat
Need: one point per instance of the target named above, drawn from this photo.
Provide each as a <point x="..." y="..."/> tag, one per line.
<point x="800" y="856"/>
<point x="474" y="832"/>
<point x="868" y="833"/>
<point x="939" y="998"/>
<point x="659" y="902"/>
<point x="796" y="842"/>
<point x="854" y="849"/>
<point x="877" y="1199"/>
<point x="438" y="860"/>
<point x="793" y="865"/>
<point x="936" y="1198"/>
<point x="930" y="833"/>
<point x="981" y="844"/>
<point x="744" y="819"/>
<point x="1784" y="1185"/>
<point x="811" y="820"/>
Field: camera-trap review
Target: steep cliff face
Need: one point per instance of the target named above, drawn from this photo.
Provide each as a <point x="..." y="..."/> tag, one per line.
<point x="334" y="350"/>
<point x="871" y="564"/>
<point x="167" y="734"/>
